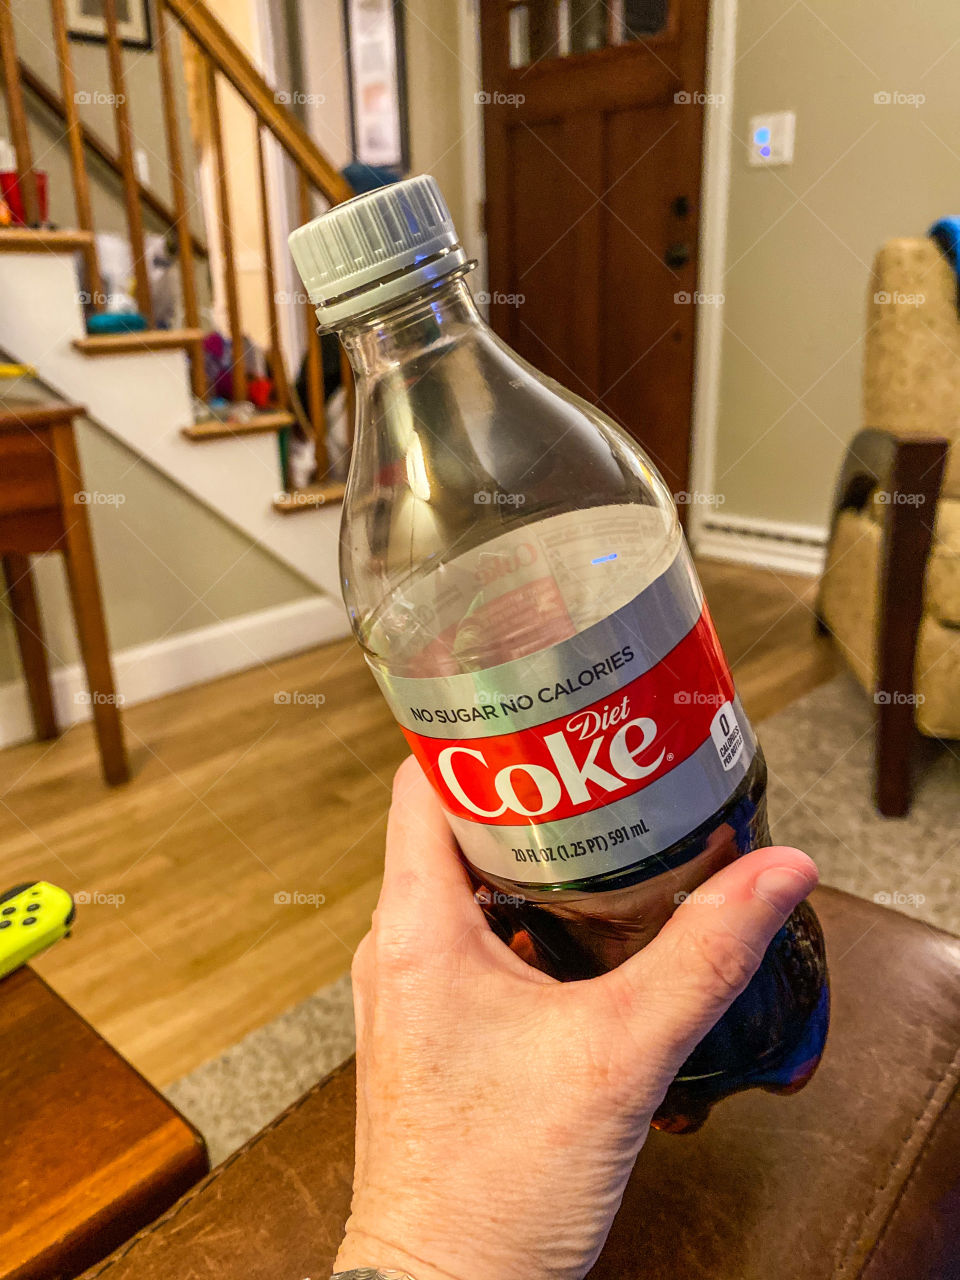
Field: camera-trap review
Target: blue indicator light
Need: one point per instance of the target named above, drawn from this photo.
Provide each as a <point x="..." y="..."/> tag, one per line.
<point x="762" y="136"/>
<point x="612" y="555"/>
<point x="764" y="151"/>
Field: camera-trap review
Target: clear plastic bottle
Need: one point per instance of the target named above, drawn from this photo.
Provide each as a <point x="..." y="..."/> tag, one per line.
<point x="514" y="569"/>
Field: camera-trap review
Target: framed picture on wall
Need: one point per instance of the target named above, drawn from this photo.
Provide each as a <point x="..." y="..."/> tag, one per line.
<point x="377" y="78"/>
<point x="85" y="21"/>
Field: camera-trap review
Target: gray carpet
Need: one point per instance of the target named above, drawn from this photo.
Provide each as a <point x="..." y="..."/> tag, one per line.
<point x="819" y="752"/>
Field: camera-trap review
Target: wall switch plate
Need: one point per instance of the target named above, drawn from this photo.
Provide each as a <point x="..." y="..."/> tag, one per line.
<point x="770" y="138"/>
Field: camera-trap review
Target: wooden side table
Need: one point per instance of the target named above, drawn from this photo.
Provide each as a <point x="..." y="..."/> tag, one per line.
<point x="89" y="1152"/>
<point x="40" y="511"/>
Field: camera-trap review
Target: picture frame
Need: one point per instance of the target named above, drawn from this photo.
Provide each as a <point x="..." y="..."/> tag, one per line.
<point x="85" y="22"/>
<point x="376" y="74"/>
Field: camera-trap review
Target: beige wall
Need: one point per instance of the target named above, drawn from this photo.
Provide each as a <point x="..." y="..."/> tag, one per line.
<point x="801" y="238"/>
<point x="35" y="44"/>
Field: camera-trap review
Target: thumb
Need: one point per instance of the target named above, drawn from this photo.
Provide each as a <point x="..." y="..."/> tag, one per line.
<point x="681" y="983"/>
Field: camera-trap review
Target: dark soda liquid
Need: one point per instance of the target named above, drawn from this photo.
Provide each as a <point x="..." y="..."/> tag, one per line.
<point x="771" y="1037"/>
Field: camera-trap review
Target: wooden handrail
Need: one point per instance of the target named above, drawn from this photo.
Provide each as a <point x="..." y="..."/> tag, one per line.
<point x="103" y="151"/>
<point x="228" y="57"/>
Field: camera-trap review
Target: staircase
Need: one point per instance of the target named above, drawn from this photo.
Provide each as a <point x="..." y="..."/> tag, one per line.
<point x="140" y="386"/>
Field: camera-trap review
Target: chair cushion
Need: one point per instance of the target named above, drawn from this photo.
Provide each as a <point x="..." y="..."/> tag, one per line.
<point x="854" y="1178"/>
<point x="911" y="375"/>
<point x="850" y="605"/>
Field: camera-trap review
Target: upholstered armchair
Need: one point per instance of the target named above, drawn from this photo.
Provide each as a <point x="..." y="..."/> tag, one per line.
<point x="890" y="593"/>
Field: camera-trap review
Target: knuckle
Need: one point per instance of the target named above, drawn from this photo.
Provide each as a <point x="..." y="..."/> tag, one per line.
<point x="720" y="963"/>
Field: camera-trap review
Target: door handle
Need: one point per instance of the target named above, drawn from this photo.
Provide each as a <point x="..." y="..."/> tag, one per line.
<point x="677" y="255"/>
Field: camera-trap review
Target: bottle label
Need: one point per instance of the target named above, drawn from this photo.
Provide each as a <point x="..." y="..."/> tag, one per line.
<point x="592" y="755"/>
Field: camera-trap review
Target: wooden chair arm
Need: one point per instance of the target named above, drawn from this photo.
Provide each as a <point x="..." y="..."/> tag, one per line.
<point x="909" y="471"/>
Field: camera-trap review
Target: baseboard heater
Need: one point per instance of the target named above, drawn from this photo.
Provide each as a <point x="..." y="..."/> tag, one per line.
<point x="772" y="544"/>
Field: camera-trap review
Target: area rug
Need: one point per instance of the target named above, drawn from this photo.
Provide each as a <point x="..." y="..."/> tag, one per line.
<point x="819" y="752"/>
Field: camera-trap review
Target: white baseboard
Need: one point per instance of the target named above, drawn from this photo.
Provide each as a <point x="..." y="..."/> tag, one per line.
<point x="769" y="544"/>
<point x="150" y="670"/>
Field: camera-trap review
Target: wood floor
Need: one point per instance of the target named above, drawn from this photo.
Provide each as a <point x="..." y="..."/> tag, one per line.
<point x="247" y="793"/>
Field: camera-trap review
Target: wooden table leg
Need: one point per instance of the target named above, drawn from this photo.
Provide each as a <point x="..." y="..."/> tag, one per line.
<point x="33" y="651"/>
<point x="81" y="567"/>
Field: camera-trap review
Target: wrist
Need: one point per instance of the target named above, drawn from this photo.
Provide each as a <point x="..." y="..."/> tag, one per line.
<point x="361" y="1248"/>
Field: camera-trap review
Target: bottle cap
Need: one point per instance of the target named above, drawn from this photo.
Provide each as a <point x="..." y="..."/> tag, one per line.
<point x="373" y="249"/>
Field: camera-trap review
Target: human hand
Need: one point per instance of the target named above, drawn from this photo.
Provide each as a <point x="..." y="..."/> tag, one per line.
<point x="499" y="1112"/>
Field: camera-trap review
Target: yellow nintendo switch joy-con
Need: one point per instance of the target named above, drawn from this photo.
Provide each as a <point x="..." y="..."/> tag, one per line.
<point x="32" y="916"/>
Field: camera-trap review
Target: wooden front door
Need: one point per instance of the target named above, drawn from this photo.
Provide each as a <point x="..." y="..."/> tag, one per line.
<point x="593" y="122"/>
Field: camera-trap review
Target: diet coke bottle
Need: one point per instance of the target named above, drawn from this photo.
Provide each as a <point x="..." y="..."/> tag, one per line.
<point x="514" y="569"/>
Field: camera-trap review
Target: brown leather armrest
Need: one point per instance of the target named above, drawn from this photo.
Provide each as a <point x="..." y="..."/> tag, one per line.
<point x="855" y="1178"/>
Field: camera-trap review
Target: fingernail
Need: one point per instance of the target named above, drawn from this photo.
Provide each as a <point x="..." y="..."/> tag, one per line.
<point x="782" y="887"/>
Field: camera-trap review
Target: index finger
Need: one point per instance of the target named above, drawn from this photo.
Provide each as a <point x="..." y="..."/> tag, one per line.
<point x="425" y="884"/>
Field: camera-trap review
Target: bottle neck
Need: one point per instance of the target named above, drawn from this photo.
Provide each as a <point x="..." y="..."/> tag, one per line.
<point x="436" y="313"/>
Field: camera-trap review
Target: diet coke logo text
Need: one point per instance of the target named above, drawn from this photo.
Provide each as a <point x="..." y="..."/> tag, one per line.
<point x="587" y="759"/>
